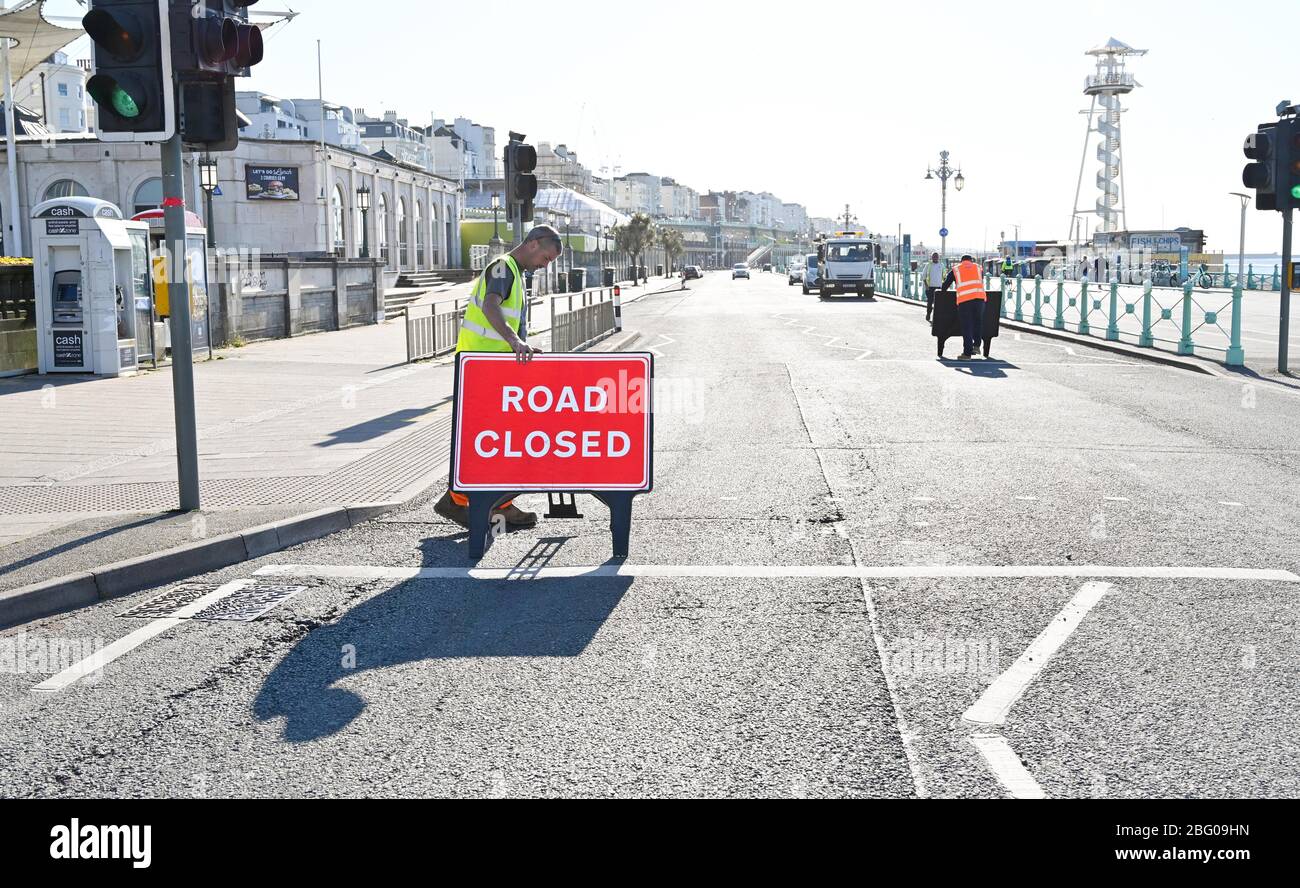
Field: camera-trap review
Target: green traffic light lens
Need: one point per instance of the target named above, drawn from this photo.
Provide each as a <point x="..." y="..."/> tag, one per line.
<point x="124" y="104"/>
<point x="1295" y="192"/>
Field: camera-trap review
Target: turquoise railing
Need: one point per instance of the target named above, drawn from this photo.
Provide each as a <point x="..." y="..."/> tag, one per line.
<point x="1185" y="320"/>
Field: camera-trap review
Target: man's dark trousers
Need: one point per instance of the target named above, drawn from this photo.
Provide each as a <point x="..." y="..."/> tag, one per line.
<point x="929" y="301"/>
<point x="971" y="314"/>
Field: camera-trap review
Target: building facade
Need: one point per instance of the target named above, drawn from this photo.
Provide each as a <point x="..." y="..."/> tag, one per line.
<point x="56" y="89"/>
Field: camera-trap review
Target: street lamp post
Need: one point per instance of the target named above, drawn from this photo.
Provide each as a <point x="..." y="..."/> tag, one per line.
<point x="1241" y="248"/>
<point x="208" y="180"/>
<point x="944" y="173"/>
<point x="497" y="247"/>
<point x="363" y="204"/>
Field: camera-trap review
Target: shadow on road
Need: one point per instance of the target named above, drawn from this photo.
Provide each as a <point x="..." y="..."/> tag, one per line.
<point x="433" y="619"/>
<point x="987" y="369"/>
<point x="377" y="427"/>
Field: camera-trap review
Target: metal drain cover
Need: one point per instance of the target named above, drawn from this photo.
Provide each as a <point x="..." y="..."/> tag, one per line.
<point x="248" y="603"/>
<point x="241" y="606"/>
<point x="166" y="604"/>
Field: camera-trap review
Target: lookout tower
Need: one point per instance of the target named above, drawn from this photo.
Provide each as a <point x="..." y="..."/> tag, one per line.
<point x="1106" y="85"/>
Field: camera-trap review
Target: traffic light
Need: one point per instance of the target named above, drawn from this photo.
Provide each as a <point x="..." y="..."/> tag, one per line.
<point x="521" y="183"/>
<point x="1286" y="148"/>
<point x="1260" y="174"/>
<point x="132" y="80"/>
<point x="212" y="43"/>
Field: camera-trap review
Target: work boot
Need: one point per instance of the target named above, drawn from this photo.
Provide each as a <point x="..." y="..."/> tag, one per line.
<point x="964" y="356"/>
<point x="451" y="511"/>
<point x="517" y="517"/>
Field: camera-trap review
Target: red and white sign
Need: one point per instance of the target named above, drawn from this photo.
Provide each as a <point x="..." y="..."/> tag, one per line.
<point x="558" y="422"/>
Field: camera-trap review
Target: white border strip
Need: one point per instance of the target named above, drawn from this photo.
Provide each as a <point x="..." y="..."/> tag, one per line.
<point x="777" y="571"/>
<point x="125" y="645"/>
<point x="1007" y="767"/>
<point x="998" y="698"/>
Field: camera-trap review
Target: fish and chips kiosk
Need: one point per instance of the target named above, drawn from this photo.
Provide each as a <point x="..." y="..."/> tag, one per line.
<point x="94" y="307"/>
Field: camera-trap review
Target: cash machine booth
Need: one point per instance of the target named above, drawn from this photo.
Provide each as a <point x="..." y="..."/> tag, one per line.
<point x="94" y="309"/>
<point x="196" y="264"/>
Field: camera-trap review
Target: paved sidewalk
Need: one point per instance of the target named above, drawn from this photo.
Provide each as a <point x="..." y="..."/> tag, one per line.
<point x="285" y="427"/>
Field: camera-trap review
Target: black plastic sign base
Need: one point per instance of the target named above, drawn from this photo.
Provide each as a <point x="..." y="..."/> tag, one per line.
<point x="484" y="526"/>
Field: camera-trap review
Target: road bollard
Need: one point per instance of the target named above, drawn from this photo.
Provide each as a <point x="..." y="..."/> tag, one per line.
<point x="1112" y="328"/>
<point x="618" y="310"/>
<point x="1084" y="306"/>
<point x="1146" y="340"/>
<point x="1236" y="356"/>
<point x="1185" y="345"/>
<point x="1038" y="300"/>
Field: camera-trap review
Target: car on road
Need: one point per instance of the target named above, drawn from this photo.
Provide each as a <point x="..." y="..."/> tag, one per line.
<point x="691" y="272"/>
<point x="740" y="270"/>
<point x="795" y="273"/>
<point x="811" y="275"/>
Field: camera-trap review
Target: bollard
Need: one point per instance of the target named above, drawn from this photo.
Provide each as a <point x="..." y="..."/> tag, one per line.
<point x="1059" y="323"/>
<point x="618" y="310"/>
<point x="1084" y="328"/>
<point x="1038" y="300"/>
<point x="1185" y="345"/>
<point x="1020" y="314"/>
<point x="1236" y="354"/>
<point x="1146" y="340"/>
<point x="1112" y="328"/>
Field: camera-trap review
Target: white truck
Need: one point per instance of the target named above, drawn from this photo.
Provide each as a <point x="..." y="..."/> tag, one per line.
<point x="847" y="263"/>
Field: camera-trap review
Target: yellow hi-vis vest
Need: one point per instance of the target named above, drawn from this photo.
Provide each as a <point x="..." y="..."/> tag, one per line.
<point x="970" y="283"/>
<point x="476" y="334"/>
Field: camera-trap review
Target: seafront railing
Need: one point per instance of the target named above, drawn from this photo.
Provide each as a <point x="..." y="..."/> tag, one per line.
<point x="1183" y="320"/>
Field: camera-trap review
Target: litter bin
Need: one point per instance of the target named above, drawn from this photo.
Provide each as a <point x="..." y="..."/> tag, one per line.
<point x="642" y="269"/>
<point x="607" y="279"/>
<point x="561" y="280"/>
<point x="577" y="279"/>
<point x="659" y="271"/>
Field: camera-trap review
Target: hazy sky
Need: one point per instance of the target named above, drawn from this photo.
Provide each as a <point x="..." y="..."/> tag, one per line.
<point x="834" y="102"/>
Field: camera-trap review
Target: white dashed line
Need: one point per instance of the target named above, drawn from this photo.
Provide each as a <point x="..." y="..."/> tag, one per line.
<point x="1007" y="767"/>
<point x="1117" y="499"/>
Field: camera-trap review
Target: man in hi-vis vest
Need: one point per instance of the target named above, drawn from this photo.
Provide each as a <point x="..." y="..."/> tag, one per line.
<point x="970" y="303"/>
<point x="492" y="323"/>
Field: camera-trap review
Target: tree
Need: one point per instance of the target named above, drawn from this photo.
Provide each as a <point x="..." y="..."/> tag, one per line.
<point x="674" y="244"/>
<point x="634" y="237"/>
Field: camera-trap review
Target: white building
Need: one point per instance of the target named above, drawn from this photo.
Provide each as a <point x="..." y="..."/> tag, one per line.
<point x="340" y="124"/>
<point x="637" y="193"/>
<point x="56" y="88"/>
<point x="405" y="143"/>
<point x="271" y="117"/>
<point x="560" y="165"/>
<point x="678" y="201"/>
<point x="479" y="144"/>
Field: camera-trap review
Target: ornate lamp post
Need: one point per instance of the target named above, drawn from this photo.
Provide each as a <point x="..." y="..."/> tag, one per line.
<point x="497" y="247"/>
<point x="944" y="173"/>
<point x="209" y="183"/>
<point x="363" y="204"/>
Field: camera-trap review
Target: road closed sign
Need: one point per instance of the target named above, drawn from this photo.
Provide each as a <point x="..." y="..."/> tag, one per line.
<point x="562" y="422"/>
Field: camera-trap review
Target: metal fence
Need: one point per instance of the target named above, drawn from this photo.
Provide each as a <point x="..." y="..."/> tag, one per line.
<point x="578" y="319"/>
<point x="433" y="334"/>
<point x="1183" y="320"/>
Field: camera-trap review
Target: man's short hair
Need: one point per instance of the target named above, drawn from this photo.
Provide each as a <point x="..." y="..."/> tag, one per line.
<point x="966" y="257"/>
<point x="544" y="233"/>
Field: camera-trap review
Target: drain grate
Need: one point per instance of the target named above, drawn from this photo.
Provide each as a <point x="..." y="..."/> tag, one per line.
<point x="241" y="606"/>
<point x="249" y="603"/>
<point x="166" y="604"/>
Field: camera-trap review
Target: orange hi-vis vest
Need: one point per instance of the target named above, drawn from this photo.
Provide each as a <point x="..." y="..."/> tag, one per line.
<point x="970" y="283"/>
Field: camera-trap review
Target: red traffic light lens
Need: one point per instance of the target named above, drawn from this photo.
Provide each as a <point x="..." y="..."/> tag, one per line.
<point x="249" y="42"/>
<point x="119" y="33"/>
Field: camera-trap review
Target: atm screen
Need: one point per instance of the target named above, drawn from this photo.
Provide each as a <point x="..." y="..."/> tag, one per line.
<point x="66" y="293"/>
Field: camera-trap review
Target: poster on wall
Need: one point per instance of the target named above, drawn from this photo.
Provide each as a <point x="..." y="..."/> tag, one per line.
<point x="271" y="182"/>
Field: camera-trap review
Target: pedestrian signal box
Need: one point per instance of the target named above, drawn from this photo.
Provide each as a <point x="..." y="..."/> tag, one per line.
<point x="568" y="423"/>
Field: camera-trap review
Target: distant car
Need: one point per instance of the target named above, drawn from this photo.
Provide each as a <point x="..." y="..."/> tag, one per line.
<point x="811" y="276"/>
<point x="795" y="275"/>
<point x="767" y="266"/>
<point x="740" y="270"/>
<point x="691" y="272"/>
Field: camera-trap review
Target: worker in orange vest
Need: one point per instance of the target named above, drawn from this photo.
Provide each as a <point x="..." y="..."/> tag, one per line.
<point x="970" y="303"/>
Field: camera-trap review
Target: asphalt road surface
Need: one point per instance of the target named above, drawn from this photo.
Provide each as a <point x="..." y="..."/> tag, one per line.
<point x="862" y="572"/>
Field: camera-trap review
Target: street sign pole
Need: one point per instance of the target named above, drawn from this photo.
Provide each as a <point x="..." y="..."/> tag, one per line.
<point x="187" y="454"/>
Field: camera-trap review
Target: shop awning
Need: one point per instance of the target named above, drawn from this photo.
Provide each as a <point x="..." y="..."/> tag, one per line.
<point x="34" y="39"/>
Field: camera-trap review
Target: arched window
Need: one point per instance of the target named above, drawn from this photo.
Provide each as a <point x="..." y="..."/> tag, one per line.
<point x="383" y="227"/>
<point x="340" y="213"/>
<point x="419" y="235"/>
<point x="65" y="188"/>
<point x="403" y="245"/>
<point x="149" y="196"/>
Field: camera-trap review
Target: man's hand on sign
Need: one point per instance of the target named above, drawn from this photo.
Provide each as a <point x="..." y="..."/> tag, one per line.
<point x="523" y="351"/>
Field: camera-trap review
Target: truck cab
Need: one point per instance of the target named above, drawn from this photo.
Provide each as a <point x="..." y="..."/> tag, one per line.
<point x="847" y="261"/>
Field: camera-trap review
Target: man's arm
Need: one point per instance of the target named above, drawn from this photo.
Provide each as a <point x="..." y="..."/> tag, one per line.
<point x="949" y="280"/>
<point x="500" y="283"/>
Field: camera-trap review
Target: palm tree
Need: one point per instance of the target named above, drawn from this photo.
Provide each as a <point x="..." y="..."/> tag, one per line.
<point x="674" y="244"/>
<point x="634" y="237"/>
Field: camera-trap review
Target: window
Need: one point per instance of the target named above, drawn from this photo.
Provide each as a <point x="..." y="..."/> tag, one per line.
<point x="383" y="228"/>
<point x="403" y="248"/>
<point x="63" y="89"/>
<point x="65" y="120"/>
<point x="340" y="234"/>
<point x="149" y="196"/>
<point x="65" y="188"/>
<point x="419" y="235"/>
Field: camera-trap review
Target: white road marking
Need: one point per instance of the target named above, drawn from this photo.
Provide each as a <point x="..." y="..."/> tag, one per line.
<point x="1007" y="767"/>
<point x="778" y="571"/>
<point x="1027" y="498"/>
<point x="998" y="698"/>
<point x="922" y="499"/>
<point x="126" y="644"/>
<point x="1238" y="505"/>
<point x="653" y="349"/>
<point x="1117" y="499"/>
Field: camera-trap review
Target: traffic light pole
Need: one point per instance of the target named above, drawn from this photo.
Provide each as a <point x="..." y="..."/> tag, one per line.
<point x="1284" y="324"/>
<point x="187" y="454"/>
